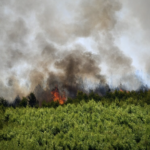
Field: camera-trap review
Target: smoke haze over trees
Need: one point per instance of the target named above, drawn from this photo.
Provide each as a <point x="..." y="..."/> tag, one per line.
<point x="71" y="44"/>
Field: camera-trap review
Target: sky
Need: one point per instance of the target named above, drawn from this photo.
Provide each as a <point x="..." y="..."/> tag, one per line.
<point x="104" y="41"/>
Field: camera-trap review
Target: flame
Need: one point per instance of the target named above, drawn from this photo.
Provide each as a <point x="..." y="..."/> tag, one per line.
<point x="57" y="97"/>
<point x="121" y="90"/>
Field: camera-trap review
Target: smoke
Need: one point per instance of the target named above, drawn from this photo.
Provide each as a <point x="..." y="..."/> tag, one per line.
<point x="39" y="47"/>
<point x="95" y="16"/>
<point x="137" y="22"/>
<point x="141" y="11"/>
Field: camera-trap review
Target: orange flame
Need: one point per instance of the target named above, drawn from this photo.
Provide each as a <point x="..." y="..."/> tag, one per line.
<point x="121" y="90"/>
<point x="57" y="97"/>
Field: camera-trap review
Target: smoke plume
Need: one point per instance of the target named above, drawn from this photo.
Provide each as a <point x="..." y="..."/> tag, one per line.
<point x="39" y="47"/>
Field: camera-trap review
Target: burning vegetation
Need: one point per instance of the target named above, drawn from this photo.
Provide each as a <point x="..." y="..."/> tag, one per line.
<point x="56" y="96"/>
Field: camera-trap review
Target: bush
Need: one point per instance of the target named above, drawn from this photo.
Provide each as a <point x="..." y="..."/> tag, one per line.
<point x="2" y="118"/>
<point x="50" y="104"/>
<point x="86" y="126"/>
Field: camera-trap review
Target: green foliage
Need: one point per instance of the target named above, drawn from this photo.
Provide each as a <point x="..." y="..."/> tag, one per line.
<point x="119" y="120"/>
<point x="51" y="104"/>
<point x="23" y="102"/>
<point x="3" y="102"/>
<point x="147" y="99"/>
<point x="82" y="96"/>
<point x="69" y="101"/>
<point x="94" y="96"/>
<point x="2" y="111"/>
<point x="121" y="98"/>
<point x="91" y="125"/>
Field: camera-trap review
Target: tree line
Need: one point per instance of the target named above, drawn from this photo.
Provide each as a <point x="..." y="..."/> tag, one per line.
<point x="135" y="97"/>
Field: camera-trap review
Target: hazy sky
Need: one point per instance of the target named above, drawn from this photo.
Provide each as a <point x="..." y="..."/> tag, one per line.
<point x="38" y="36"/>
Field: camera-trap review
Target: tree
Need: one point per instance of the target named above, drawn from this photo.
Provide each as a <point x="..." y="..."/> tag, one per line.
<point x="23" y="102"/>
<point x="16" y="101"/>
<point x="32" y="99"/>
<point x="147" y="99"/>
<point x="3" y="102"/>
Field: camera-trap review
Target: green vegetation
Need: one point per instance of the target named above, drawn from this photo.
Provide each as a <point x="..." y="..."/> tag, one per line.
<point x="87" y="126"/>
<point x="23" y="102"/>
<point x="117" y="121"/>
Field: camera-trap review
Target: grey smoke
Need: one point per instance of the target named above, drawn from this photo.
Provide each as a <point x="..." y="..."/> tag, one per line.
<point x="34" y="51"/>
<point x="138" y="23"/>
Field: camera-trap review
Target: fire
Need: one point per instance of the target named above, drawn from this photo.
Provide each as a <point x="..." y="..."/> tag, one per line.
<point x="121" y="90"/>
<point x="57" y="97"/>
